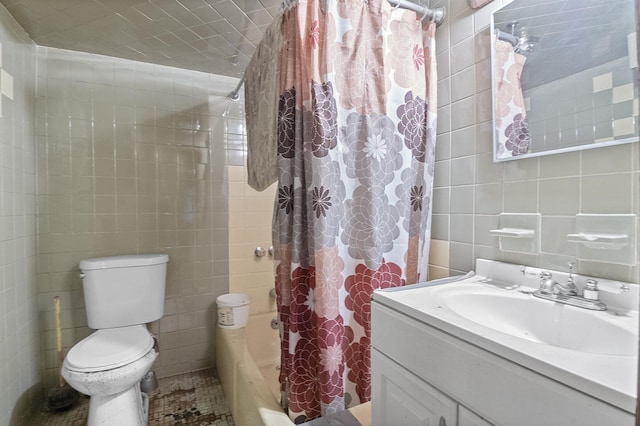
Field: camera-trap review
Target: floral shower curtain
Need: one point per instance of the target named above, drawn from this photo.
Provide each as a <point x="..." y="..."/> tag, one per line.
<point x="512" y="128"/>
<point x="356" y="142"/>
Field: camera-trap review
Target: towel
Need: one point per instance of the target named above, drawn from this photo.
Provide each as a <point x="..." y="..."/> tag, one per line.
<point x="512" y="129"/>
<point x="261" y="109"/>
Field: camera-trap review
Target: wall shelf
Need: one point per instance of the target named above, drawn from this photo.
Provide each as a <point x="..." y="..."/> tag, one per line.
<point x="518" y="232"/>
<point x="605" y="238"/>
<point x="599" y="240"/>
<point x="513" y="233"/>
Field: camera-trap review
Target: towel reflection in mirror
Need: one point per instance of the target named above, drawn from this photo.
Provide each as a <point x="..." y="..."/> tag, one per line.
<point x="512" y="130"/>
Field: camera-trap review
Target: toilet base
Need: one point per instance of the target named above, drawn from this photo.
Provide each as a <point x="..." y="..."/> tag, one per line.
<point x="124" y="408"/>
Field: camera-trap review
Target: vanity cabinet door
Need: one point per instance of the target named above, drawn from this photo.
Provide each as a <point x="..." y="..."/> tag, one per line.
<point x="400" y="398"/>
<point x="469" y="418"/>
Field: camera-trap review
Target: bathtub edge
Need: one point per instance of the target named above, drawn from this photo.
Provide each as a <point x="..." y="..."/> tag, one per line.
<point x="250" y="399"/>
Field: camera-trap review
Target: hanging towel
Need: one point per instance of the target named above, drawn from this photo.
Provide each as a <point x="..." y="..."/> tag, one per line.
<point x="261" y="109"/>
<point x="512" y="129"/>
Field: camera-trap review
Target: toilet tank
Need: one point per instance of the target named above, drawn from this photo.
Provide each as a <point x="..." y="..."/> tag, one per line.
<point x="124" y="290"/>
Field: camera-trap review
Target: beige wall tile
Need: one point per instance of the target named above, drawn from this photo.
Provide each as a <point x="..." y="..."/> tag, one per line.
<point x="147" y="187"/>
<point x="556" y="186"/>
<point x="19" y="302"/>
<point x="436" y="272"/>
<point x="439" y="253"/>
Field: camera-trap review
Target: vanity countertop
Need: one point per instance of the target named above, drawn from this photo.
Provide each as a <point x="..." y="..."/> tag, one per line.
<point x="609" y="377"/>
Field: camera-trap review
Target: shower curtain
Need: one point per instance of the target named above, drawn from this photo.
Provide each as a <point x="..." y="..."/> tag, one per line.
<point x="512" y="126"/>
<point x="356" y="142"/>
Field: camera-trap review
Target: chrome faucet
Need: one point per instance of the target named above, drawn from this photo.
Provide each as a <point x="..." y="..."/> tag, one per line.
<point x="567" y="293"/>
<point x="569" y="289"/>
<point x="550" y="286"/>
<point x="547" y="283"/>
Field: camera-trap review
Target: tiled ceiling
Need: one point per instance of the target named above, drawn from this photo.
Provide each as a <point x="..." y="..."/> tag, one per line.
<point x="214" y="36"/>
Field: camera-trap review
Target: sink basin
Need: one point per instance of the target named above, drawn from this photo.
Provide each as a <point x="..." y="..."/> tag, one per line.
<point x="541" y="321"/>
<point x="492" y="311"/>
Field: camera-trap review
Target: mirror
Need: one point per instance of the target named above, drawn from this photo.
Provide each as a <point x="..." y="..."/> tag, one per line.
<point x="564" y="76"/>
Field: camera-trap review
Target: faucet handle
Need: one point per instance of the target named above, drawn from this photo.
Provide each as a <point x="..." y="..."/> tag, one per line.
<point x="591" y="290"/>
<point x="570" y="278"/>
<point x="547" y="284"/>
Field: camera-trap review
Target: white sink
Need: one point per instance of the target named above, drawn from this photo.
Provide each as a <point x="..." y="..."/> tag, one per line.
<point x="594" y="352"/>
<point x="541" y="321"/>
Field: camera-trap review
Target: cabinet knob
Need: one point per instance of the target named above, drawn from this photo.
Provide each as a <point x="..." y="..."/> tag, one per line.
<point x="442" y="422"/>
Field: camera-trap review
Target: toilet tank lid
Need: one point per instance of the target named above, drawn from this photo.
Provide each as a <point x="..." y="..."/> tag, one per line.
<point x="123" y="261"/>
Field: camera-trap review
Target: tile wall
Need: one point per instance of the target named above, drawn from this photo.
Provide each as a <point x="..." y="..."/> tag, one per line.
<point x="19" y="335"/>
<point x="131" y="159"/>
<point x="470" y="190"/>
<point x="250" y="214"/>
<point x="600" y="106"/>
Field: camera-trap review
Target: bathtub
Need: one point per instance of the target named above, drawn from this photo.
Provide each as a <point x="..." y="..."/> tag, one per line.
<point x="246" y="360"/>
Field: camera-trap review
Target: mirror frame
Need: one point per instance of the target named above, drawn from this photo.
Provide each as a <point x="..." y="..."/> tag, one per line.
<point x="637" y="2"/>
<point x="615" y="142"/>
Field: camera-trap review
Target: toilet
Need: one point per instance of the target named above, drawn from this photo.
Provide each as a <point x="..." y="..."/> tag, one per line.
<point x="122" y="294"/>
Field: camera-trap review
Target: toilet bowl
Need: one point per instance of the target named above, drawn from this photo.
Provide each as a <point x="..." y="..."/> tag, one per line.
<point x="122" y="294"/>
<point x="108" y="366"/>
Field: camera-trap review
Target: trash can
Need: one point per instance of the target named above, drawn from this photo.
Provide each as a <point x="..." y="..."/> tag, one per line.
<point x="233" y="310"/>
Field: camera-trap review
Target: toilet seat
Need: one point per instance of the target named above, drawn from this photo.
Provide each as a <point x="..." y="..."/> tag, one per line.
<point x="109" y="348"/>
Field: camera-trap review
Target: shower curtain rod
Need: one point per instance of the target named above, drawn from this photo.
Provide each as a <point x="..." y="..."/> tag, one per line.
<point x="436" y="15"/>
<point x="507" y="37"/>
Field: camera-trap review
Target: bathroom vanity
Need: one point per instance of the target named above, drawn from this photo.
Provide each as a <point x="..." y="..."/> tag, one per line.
<point x="485" y="351"/>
